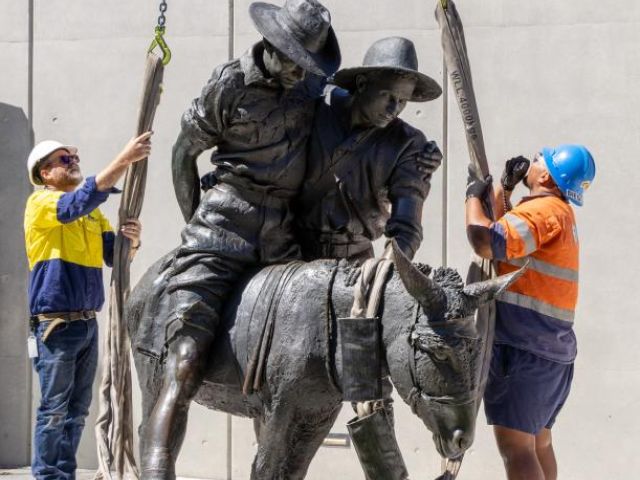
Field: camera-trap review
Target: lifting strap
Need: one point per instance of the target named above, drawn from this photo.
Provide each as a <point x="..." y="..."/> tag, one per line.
<point x="367" y="296"/>
<point x="457" y="62"/>
<point x="114" y="426"/>
<point x="368" y="290"/>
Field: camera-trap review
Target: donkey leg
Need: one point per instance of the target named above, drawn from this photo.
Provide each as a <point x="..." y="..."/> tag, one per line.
<point x="288" y="441"/>
<point x="308" y="438"/>
<point x="273" y="432"/>
<point x="258" y="422"/>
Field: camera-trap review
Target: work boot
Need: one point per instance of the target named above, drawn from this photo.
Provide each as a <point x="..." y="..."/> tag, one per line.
<point x="158" y="464"/>
<point x="375" y="443"/>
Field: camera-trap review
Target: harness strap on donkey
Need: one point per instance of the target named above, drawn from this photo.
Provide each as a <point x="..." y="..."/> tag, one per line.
<point x="114" y="426"/>
<point x="270" y="295"/>
<point x="359" y="334"/>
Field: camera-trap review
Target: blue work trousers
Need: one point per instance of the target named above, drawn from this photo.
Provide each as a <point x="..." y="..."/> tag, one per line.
<point x="66" y="366"/>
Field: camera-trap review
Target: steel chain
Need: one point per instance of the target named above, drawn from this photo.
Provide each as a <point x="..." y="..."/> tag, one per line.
<point x="158" y="38"/>
<point x="163" y="8"/>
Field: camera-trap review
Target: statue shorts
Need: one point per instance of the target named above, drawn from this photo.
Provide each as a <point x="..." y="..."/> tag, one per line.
<point x="230" y="232"/>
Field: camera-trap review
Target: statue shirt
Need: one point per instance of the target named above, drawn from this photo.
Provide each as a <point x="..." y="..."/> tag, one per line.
<point x="259" y="129"/>
<point x="380" y="178"/>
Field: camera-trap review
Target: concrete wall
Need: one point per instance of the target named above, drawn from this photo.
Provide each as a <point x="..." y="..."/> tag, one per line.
<point x="15" y="143"/>
<point x="545" y="72"/>
<point x="15" y="137"/>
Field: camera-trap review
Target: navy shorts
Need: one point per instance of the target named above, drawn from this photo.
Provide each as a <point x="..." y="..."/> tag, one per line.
<point x="524" y="391"/>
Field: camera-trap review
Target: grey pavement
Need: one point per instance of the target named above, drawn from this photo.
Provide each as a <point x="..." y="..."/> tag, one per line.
<point x="25" y="474"/>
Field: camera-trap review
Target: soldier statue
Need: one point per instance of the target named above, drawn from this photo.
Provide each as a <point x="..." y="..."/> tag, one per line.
<point x="369" y="174"/>
<point x="257" y="111"/>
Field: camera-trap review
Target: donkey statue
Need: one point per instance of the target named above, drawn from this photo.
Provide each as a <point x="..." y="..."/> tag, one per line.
<point x="429" y="347"/>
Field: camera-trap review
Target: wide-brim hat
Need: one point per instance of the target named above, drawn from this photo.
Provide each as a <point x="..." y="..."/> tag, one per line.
<point x="392" y="54"/>
<point x="41" y="151"/>
<point x="302" y="31"/>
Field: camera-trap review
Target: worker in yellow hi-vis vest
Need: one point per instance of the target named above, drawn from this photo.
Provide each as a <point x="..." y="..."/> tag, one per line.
<point x="67" y="240"/>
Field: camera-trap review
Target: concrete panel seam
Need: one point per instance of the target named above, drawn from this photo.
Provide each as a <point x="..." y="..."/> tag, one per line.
<point x="377" y="31"/>
<point x="445" y="164"/>
<point x="547" y="25"/>
<point x="144" y="39"/>
<point x="231" y="30"/>
<point x="30" y="108"/>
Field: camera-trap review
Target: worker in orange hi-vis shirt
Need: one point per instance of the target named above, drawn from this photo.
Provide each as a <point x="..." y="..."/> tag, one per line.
<point x="535" y="345"/>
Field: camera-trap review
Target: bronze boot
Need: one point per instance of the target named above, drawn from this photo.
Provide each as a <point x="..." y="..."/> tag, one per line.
<point x="375" y="443"/>
<point x="158" y="464"/>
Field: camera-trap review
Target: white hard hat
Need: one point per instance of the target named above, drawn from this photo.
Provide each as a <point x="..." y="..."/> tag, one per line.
<point x="43" y="150"/>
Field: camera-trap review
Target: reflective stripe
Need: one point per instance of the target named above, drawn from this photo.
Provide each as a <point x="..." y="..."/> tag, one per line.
<point x="536" y="305"/>
<point x="523" y="230"/>
<point x="546" y="268"/>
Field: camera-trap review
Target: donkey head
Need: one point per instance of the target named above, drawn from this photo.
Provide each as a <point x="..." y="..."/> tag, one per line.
<point x="444" y="351"/>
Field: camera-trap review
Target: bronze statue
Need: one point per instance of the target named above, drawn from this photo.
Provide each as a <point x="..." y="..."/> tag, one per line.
<point x="257" y="112"/>
<point x="368" y="173"/>
<point x="430" y="349"/>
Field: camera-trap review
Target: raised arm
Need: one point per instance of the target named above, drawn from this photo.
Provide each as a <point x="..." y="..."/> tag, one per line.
<point x="202" y="126"/>
<point x="409" y="186"/>
<point x="477" y="222"/>
<point x="135" y="150"/>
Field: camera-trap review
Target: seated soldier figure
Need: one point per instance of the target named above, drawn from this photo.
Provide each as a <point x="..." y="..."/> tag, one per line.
<point x="257" y="110"/>
<point x="369" y="173"/>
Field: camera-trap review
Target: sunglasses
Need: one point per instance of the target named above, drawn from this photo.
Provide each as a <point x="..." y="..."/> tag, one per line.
<point x="69" y="159"/>
<point x="65" y="160"/>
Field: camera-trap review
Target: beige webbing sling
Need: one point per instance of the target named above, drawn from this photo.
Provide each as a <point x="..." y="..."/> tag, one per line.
<point x="114" y="426"/>
<point x="457" y="64"/>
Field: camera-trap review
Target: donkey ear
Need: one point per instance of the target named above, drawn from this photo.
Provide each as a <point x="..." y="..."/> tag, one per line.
<point x="481" y="292"/>
<point x="428" y="294"/>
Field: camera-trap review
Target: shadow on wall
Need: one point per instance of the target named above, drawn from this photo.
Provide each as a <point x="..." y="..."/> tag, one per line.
<point x="16" y="140"/>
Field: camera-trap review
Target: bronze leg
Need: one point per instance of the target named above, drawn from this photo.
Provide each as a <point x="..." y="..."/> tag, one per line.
<point x="167" y="423"/>
<point x="290" y="440"/>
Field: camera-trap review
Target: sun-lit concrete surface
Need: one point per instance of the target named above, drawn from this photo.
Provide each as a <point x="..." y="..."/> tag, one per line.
<point x="545" y="72"/>
<point x="25" y="474"/>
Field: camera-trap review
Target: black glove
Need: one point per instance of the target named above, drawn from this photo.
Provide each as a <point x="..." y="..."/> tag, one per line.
<point x="476" y="187"/>
<point x="208" y="181"/>
<point x="515" y="170"/>
<point x="429" y="159"/>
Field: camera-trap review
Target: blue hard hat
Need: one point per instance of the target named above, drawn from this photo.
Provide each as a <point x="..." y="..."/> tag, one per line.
<point x="572" y="168"/>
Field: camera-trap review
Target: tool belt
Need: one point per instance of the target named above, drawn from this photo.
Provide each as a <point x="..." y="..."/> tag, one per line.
<point x="58" y="318"/>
